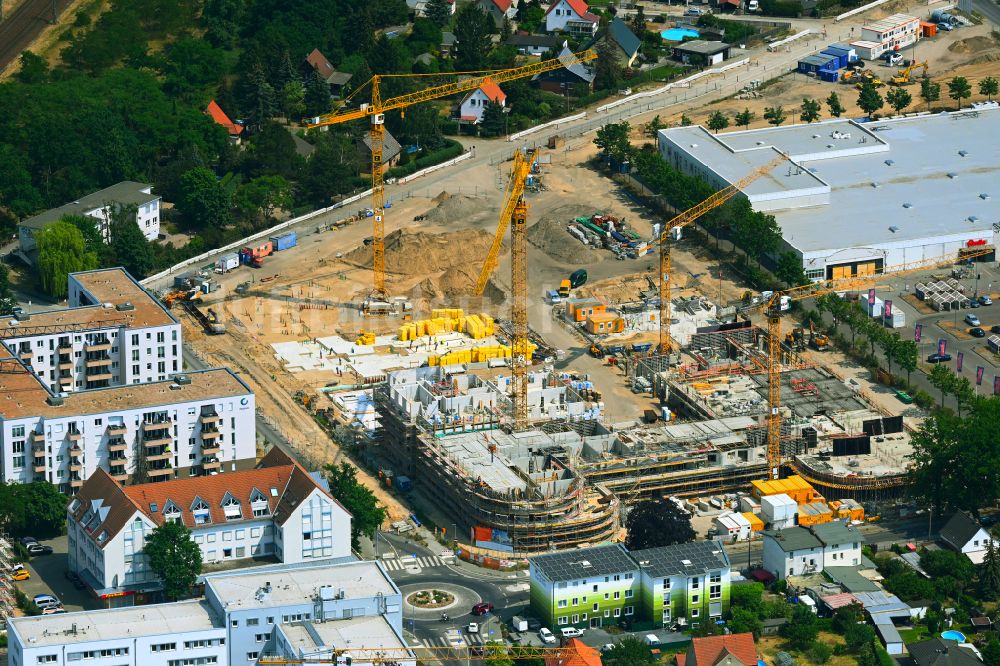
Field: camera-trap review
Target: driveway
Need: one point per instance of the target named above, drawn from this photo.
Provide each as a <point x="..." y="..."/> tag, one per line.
<point x="48" y="576"/>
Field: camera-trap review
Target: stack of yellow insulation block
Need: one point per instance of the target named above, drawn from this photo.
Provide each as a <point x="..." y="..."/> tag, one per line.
<point x="477" y="355"/>
<point x="448" y="320"/>
<point x="365" y="338"/>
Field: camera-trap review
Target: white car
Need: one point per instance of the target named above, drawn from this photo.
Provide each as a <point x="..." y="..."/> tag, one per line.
<point x="44" y="601"/>
<point x="546" y="635"/>
<point x="972" y="320"/>
<point x="571" y="632"/>
<point x="473" y="628"/>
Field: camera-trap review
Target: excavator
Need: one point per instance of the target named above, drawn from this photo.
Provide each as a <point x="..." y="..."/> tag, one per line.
<point x="903" y="77"/>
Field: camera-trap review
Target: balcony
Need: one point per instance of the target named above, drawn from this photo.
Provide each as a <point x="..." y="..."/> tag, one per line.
<point x="209" y="449"/>
<point x="25" y="355"/>
<point x="150" y="426"/>
<point x="119" y="474"/>
<point x="39" y="465"/>
<point x="211" y="464"/>
<point x="210" y="418"/>
<point x="97" y="362"/>
<point x="210" y="434"/>
<point x="97" y="346"/>
<point x="66" y="382"/>
<point x="38" y="447"/>
<point x="65" y="347"/>
<point x="101" y="376"/>
<point x="153" y="457"/>
<point x="116" y="429"/>
<point x="38" y="436"/>
<point x="158" y="441"/>
<point x="75" y="466"/>
<point x="117" y="445"/>
<point x="75" y="452"/>
<point x="66" y="364"/>
<point x="73" y="435"/>
<point x="159" y="473"/>
<point x="75" y="483"/>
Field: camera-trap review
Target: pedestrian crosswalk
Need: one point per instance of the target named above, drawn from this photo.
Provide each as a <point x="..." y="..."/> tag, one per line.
<point x="446" y="641"/>
<point x="426" y="562"/>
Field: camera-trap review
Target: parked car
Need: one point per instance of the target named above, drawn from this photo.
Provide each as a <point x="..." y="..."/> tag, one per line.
<point x="994" y="329"/>
<point x="546" y="635"/>
<point x="39" y="549"/>
<point x="939" y="358"/>
<point x="972" y="320"/>
<point x="53" y="610"/>
<point x="44" y="601"/>
<point x="571" y="632"/>
<point x="607" y="647"/>
<point x="482" y="608"/>
<point x="78" y="583"/>
<point x="977" y="332"/>
<point x="944" y="26"/>
<point x="696" y="11"/>
<point x="25" y="540"/>
<point x="973" y="303"/>
<point x="20" y="574"/>
<point x="893" y="58"/>
<point x="985" y="300"/>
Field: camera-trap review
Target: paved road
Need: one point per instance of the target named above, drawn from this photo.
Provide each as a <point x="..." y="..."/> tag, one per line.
<point x="23" y="25"/>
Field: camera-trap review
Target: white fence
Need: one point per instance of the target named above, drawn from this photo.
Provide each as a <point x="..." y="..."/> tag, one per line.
<point x="552" y="123"/>
<point x="774" y="46"/>
<point x="858" y="10"/>
<point x="262" y="234"/>
<point x="683" y="83"/>
<point x="423" y="172"/>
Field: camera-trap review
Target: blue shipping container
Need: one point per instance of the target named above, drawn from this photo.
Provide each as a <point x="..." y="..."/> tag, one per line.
<point x="284" y="241"/>
<point x="404" y="483"/>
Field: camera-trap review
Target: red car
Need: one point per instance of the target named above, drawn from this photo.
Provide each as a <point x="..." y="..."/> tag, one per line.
<point x="482" y="608"/>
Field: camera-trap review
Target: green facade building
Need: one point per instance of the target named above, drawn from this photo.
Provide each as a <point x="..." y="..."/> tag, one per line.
<point x="600" y="586"/>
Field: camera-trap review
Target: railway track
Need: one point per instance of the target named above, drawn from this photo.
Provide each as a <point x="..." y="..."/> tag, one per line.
<point x="19" y="30"/>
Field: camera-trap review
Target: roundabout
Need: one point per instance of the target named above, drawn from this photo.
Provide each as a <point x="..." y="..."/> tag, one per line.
<point x="422" y="601"/>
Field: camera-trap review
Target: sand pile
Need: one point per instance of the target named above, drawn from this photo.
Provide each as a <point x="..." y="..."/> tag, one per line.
<point x="421" y="253"/>
<point x="550" y="236"/>
<point x="972" y="45"/>
<point x="451" y="208"/>
<point x="455" y="283"/>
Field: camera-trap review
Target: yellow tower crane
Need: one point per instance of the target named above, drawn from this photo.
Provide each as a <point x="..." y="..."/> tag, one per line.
<point x="686" y="218"/>
<point x="772" y="307"/>
<point x="514" y="214"/>
<point x="375" y="111"/>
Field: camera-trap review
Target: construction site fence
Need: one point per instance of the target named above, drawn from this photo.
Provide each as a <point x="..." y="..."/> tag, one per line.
<point x="857" y="10"/>
<point x="498" y="563"/>
<point x="683" y="83"/>
<point x="552" y="123"/>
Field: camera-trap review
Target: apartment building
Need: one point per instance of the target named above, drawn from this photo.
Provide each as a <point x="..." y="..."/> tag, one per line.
<point x="100" y="205"/>
<point x="277" y="510"/>
<point x="283" y="610"/>
<point x="604" y="585"/>
<point x="199" y="423"/>
<point x="113" y="333"/>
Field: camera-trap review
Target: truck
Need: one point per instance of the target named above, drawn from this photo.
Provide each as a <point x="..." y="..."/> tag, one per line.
<point x="227" y="262"/>
<point x="254" y="255"/>
<point x="210" y="322"/>
<point x="284" y="241"/>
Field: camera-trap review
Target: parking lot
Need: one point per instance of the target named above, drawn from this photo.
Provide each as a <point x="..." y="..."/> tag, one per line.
<point x="48" y="576"/>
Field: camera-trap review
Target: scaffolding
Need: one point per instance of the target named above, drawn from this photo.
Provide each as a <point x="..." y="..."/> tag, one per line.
<point x="7" y="597"/>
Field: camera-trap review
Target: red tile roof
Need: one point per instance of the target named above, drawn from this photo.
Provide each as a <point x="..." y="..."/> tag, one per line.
<point x="220" y="118"/>
<point x="492" y="90"/>
<point x="282" y="482"/>
<point x="320" y="64"/>
<point x="710" y="650"/>
<point x="574" y="653"/>
<point x="502" y="5"/>
<point x="578" y="6"/>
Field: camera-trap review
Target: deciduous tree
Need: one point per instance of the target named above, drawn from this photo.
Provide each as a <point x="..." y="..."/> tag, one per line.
<point x="989" y="87"/>
<point x="810" y="110"/>
<point x="655" y="523"/>
<point x="367" y="514"/>
<point x="629" y="651"/>
<point x="834" y="106"/>
<point x="899" y="99"/>
<point x="959" y="89"/>
<point x="801" y="630"/>
<point x="438" y="11"/>
<point x="717" y="121"/>
<point x="613" y="141"/>
<point x="175" y="558"/>
<point x="128" y="243"/>
<point x="869" y="100"/>
<point x="775" y="115"/>
<point x="745" y="117"/>
<point x="203" y="203"/>
<point x="929" y="91"/>
<point x="61" y="251"/>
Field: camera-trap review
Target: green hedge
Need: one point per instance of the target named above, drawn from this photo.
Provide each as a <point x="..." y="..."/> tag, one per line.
<point x="783" y="8"/>
<point x="451" y="150"/>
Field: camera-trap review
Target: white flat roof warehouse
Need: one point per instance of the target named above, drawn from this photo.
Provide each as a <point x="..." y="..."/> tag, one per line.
<point x="899" y="190"/>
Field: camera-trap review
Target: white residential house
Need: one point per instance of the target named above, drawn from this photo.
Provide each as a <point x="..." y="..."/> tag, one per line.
<point x="498" y="10"/>
<point x="295" y="612"/>
<point x="963" y="534"/>
<point x="419" y="7"/>
<point x="798" y="551"/>
<point x="472" y="107"/>
<point x="277" y="510"/>
<point x="571" y="16"/>
<point x="99" y="205"/>
<point x="113" y="333"/>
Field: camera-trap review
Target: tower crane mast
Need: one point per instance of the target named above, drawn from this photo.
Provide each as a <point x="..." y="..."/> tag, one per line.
<point x="375" y="112"/>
